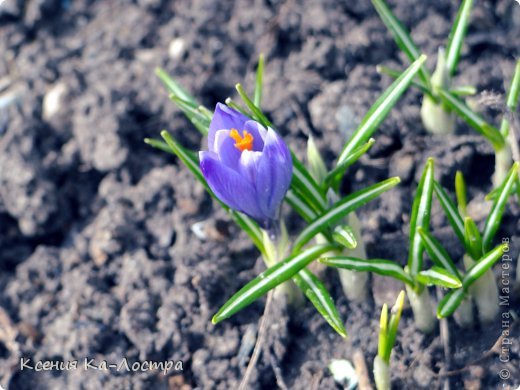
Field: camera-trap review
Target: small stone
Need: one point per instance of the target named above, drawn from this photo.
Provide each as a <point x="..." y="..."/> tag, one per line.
<point x="176" y="48"/>
<point x="53" y="100"/>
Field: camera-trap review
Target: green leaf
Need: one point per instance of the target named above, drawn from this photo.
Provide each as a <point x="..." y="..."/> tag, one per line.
<point x="512" y="99"/>
<point x="482" y="265"/>
<point x="380" y="109"/>
<point x="269" y="279"/>
<point x="378" y="266"/>
<point x="257" y="97"/>
<point x="335" y="175"/>
<point x="300" y="206"/>
<point x="420" y="218"/>
<point x="401" y="36"/>
<point x="463" y="90"/>
<point x="176" y="89"/>
<point x="305" y="186"/>
<point x="196" y="117"/>
<point x="457" y="34"/>
<point x="437" y="276"/>
<point x="497" y="211"/>
<point x="393" y="324"/>
<point x="257" y="113"/>
<point x="158" y="144"/>
<point x="341" y="209"/>
<point x="344" y="235"/>
<point x="451" y="211"/>
<point x="317" y="167"/>
<point x="437" y="253"/>
<point x="514" y="89"/>
<point x="232" y="104"/>
<point x="450" y="302"/>
<point x="316" y="292"/>
<point x="472" y="238"/>
<point x="383" y="332"/>
<point x="494" y="193"/>
<point x="474" y="120"/>
<point x="461" y="193"/>
<point x="381" y="69"/>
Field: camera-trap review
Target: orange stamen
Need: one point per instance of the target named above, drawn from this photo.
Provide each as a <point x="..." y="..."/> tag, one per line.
<point x="244" y="141"/>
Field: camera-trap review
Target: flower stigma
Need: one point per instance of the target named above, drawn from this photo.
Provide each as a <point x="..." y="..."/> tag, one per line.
<point x="244" y="141"/>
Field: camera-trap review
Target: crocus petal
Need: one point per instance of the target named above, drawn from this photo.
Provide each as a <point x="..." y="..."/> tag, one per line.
<point x="274" y="173"/>
<point x="228" y="154"/>
<point x="229" y="186"/>
<point x="248" y="164"/>
<point x="258" y="132"/>
<point x="224" y="118"/>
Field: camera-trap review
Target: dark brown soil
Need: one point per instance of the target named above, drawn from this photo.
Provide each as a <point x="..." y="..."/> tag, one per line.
<point x="97" y="255"/>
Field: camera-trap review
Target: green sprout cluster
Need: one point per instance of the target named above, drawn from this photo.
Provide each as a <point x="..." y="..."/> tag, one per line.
<point x="315" y="197"/>
<point x="331" y="233"/>
<point x="442" y="101"/>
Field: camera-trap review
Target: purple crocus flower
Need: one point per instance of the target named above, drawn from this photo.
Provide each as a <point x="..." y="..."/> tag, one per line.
<point x="248" y="167"/>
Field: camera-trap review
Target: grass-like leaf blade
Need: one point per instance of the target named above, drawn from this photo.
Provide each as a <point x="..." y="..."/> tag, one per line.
<point x="379" y="266"/>
<point x="382" y="345"/>
<point x="494" y="193"/>
<point x="450" y="302"/>
<point x="269" y="279"/>
<point x="380" y="109"/>
<point x="341" y="209"/>
<point x="401" y="36"/>
<point x="457" y="34"/>
<point x="482" y="265"/>
<point x="491" y="133"/>
<point x="393" y="324"/>
<point x="437" y="276"/>
<point x="472" y="238"/>
<point x="497" y="211"/>
<point x="335" y="175"/>
<point x="196" y="117"/>
<point x="257" y="97"/>
<point x="175" y="88"/>
<point x="305" y="185"/>
<point x="257" y="113"/>
<point x="461" y="192"/>
<point x="393" y="73"/>
<point x="158" y="144"/>
<point x="316" y="292"/>
<point x="300" y="206"/>
<point x="456" y="221"/>
<point x="512" y="99"/>
<point x="437" y="253"/>
<point x="420" y="217"/>
<point x="344" y="235"/>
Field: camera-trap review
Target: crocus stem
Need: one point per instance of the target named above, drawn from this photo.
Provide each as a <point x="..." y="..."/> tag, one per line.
<point x="354" y="283"/>
<point x="485" y="293"/>
<point x="276" y="246"/>
<point x="503" y="163"/>
<point x="381" y="374"/>
<point x="437" y="118"/>
<point x="422" y="309"/>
